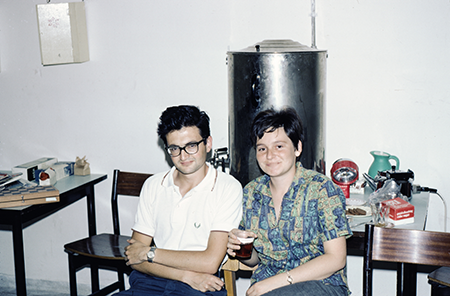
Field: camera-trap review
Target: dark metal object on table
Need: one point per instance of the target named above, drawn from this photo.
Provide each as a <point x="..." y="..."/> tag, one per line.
<point x="404" y="179"/>
<point x="275" y="73"/>
<point x="370" y="181"/>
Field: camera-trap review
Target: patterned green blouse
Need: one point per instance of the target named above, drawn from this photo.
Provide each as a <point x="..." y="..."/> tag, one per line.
<point x="312" y="212"/>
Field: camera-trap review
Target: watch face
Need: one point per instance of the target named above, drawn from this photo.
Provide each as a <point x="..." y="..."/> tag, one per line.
<point x="150" y="255"/>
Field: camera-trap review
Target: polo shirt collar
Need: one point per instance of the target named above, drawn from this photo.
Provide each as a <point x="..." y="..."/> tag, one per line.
<point x="207" y="184"/>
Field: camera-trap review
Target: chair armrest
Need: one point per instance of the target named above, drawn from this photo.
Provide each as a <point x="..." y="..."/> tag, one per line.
<point x="235" y="265"/>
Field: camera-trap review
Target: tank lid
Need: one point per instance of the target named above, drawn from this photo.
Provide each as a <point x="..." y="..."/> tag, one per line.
<point x="277" y="45"/>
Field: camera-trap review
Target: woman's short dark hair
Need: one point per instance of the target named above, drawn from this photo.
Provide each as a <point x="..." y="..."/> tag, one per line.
<point x="269" y="120"/>
<point x="176" y="117"/>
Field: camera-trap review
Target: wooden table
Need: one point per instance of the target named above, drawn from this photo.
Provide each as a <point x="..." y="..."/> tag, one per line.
<point x="71" y="189"/>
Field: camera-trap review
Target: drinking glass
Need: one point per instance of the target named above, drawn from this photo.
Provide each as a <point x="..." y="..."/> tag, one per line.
<point x="245" y="251"/>
<point x="380" y="213"/>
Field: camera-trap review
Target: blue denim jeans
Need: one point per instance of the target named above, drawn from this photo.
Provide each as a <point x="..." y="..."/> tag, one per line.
<point x="315" y="288"/>
<point x="145" y="285"/>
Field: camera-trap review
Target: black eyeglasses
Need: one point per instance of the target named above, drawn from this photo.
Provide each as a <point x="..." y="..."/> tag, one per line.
<point x="190" y="148"/>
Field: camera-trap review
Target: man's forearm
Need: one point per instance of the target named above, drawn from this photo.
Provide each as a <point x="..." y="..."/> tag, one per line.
<point x="158" y="270"/>
<point x="207" y="261"/>
<point x="198" y="261"/>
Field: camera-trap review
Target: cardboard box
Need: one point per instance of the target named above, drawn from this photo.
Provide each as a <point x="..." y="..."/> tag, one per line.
<point x="56" y="172"/>
<point x="22" y="196"/>
<point x="29" y="169"/>
<point x="400" y="212"/>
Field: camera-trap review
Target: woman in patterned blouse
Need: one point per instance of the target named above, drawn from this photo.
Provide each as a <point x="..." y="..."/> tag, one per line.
<point x="296" y="215"/>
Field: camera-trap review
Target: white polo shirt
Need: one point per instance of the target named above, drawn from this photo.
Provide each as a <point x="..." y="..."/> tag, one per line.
<point x="185" y="223"/>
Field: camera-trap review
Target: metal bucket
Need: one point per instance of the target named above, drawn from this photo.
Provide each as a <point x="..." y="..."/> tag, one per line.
<point x="275" y="73"/>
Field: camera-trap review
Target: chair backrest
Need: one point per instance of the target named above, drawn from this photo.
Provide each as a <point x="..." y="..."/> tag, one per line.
<point x="125" y="183"/>
<point x="403" y="246"/>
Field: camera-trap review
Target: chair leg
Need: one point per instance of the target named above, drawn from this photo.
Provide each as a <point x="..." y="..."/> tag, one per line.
<point x="76" y="262"/>
<point x="406" y="279"/>
<point x="72" y="276"/>
<point x="120" y="277"/>
<point x="439" y="290"/>
<point x="95" y="285"/>
<point x="230" y="282"/>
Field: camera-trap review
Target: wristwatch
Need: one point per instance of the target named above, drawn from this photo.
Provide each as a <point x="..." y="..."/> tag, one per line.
<point x="151" y="254"/>
<point x="289" y="278"/>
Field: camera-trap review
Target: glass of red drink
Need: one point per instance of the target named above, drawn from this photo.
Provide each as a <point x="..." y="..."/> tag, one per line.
<point x="245" y="251"/>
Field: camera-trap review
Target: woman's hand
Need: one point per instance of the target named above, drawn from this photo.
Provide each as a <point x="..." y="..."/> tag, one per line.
<point x="234" y="243"/>
<point x="260" y="288"/>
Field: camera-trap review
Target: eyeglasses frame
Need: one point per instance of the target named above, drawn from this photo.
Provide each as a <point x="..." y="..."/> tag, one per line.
<point x="184" y="148"/>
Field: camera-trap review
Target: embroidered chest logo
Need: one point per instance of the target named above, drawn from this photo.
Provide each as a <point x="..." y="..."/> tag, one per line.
<point x="197" y="225"/>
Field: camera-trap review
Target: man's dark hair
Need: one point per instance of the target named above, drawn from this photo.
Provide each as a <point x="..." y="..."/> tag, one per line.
<point x="269" y="120"/>
<point x="177" y="117"/>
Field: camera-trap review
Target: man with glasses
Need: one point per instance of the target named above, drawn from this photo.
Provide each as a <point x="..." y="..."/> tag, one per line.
<point x="186" y="212"/>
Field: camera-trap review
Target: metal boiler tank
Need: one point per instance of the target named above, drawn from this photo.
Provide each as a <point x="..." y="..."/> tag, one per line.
<point x="275" y="73"/>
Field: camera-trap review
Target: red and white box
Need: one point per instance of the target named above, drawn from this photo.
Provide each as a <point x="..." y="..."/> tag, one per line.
<point x="400" y="212"/>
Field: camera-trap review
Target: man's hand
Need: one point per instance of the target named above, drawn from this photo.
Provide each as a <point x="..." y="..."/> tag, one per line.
<point x="202" y="281"/>
<point x="136" y="252"/>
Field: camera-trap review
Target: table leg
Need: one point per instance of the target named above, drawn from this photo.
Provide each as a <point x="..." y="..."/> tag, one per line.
<point x="90" y="197"/>
<point x="19" y="258"/>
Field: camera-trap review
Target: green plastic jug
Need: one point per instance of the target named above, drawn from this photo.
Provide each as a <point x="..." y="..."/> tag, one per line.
<point x="381" y="162"/>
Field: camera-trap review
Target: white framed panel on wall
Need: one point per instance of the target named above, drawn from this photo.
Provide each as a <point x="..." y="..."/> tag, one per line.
<point x="62" y="33"/>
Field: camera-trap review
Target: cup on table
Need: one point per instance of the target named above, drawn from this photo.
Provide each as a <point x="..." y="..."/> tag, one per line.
<point x="246" y="249"/>
<point x="380" y="214"/>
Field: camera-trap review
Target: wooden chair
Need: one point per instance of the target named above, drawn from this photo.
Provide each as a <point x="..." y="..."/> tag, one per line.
<point x="230" y="268"/>
<point x="407" y="248"/>
<point x="105" y="250"/>
<point x="440" y="281"/>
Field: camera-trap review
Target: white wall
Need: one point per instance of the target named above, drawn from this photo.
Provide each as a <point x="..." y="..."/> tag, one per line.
<point x="387" y="89"/>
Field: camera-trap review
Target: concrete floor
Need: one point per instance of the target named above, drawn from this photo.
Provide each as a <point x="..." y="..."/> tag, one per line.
<point x="30" y="292"/>
<point x="39" y="287"/>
